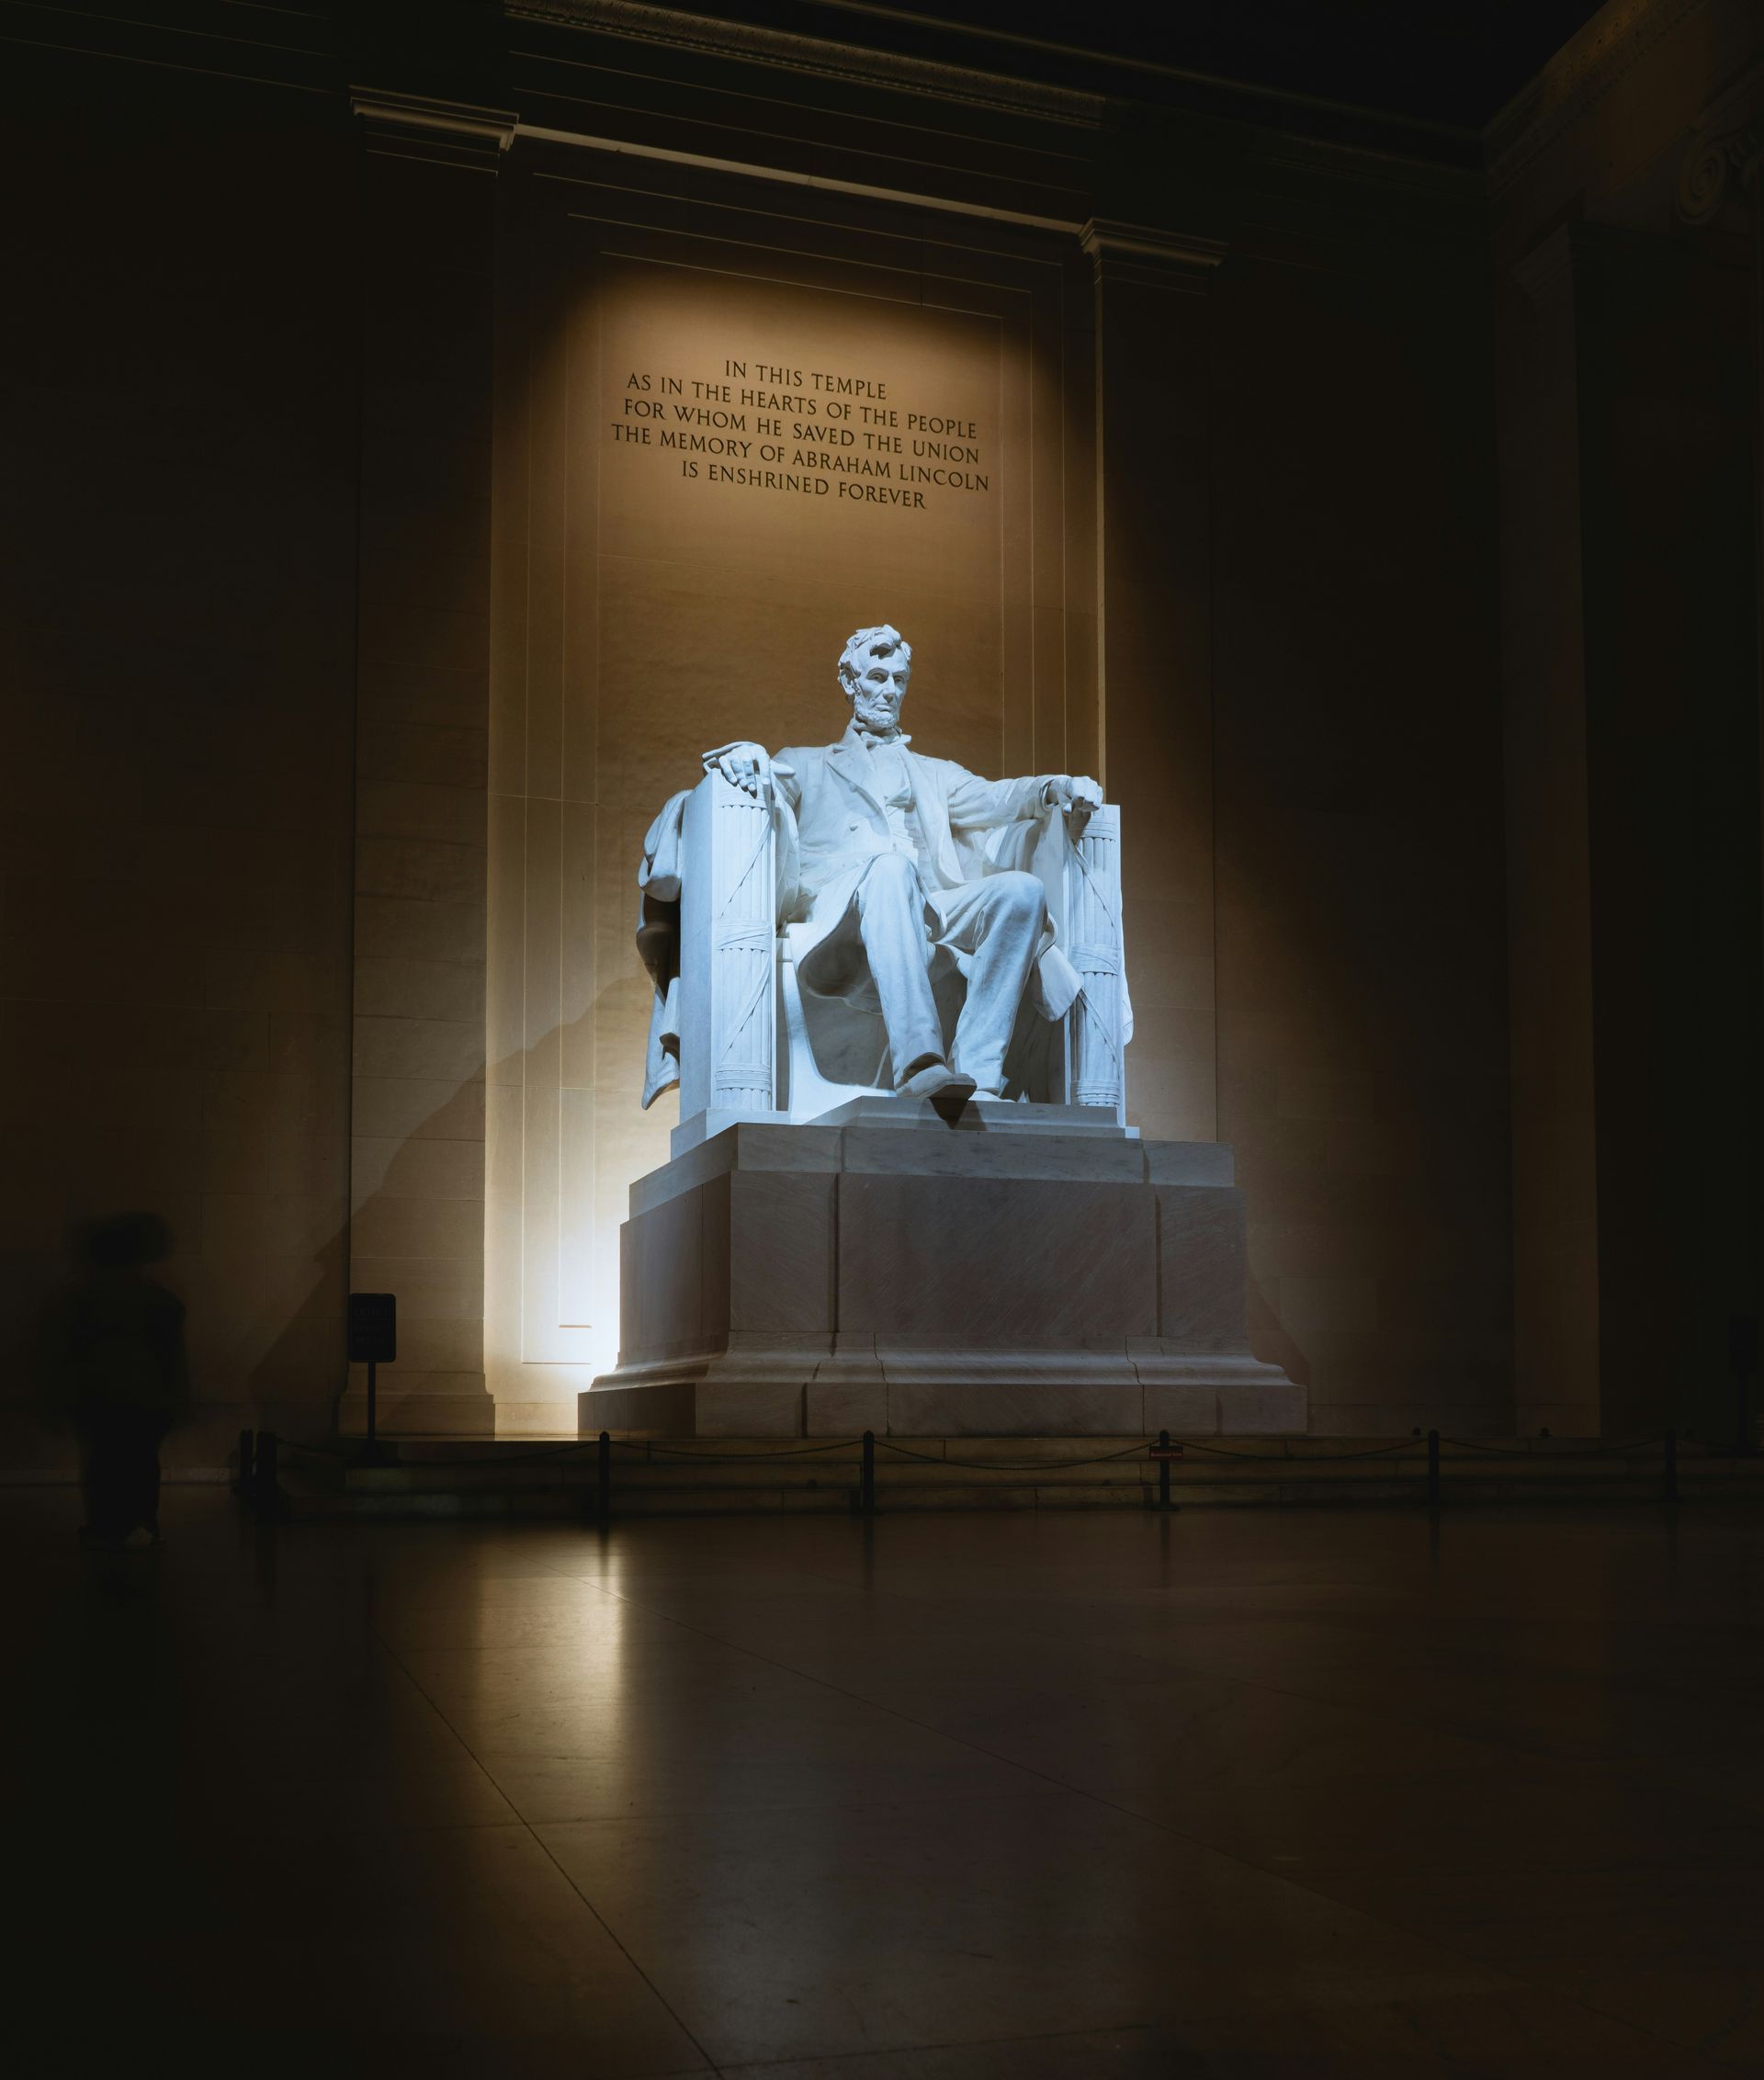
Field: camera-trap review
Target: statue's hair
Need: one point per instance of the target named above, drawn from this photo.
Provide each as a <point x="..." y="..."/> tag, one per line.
<point x="865" y="643"/>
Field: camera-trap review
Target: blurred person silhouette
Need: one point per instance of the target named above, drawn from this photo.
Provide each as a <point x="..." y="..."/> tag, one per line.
<point x="119" y="1372"/>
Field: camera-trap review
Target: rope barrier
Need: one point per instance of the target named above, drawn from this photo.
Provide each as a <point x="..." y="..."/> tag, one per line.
<point x="1006" y="1465"/>
<point x="258" y="1453"/>
<point x="733" y="1459"/>
<point x="730" y="1458"/>
<point x="1550" y="1454"/>
<point x="1400" y="1448"/>
<point x="501" y="1459"/>
<point x="1402" y="1444"/>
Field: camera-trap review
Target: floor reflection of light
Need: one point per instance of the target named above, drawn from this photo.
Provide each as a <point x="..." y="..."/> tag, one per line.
<point x="535" y="1683"/>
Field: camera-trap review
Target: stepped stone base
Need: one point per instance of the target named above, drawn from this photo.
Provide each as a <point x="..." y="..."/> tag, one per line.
<point x="1023" y="1273"/>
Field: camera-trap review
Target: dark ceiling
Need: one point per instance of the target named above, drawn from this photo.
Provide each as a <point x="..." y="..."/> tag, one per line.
<point x="1454" y="62"/>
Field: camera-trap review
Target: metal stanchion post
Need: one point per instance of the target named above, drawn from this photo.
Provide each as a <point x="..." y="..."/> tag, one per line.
<point x="247" y="1443"/>
<point x="373" y="1342"/>
<point x="866" y="1476"/>
<point x="603" y="1475"/>
<point x="1164" y="1451"/>
<point x="1432" y="1469"/>
<point x="1742" y="1352"/>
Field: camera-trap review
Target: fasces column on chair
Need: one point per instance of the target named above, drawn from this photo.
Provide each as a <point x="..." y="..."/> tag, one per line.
<point x="887" y="855"/>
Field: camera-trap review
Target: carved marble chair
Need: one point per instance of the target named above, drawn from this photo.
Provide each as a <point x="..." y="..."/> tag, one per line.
<point x="746" y="1047"/>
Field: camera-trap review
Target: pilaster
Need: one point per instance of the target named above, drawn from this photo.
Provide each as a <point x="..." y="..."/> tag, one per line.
<point x="428" y="216"/>
<point x="1155" y="651"/>
<point x="1556" y="1221"/>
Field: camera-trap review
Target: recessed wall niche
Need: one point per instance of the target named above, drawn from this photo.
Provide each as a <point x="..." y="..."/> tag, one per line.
<point x="731" y="430"/>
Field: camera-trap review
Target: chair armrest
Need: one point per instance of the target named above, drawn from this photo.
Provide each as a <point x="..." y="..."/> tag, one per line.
<point x="728" y="957"/>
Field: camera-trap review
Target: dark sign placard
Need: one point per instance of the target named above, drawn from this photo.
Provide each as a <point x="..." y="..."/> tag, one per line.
<point x="373" y="1327"/>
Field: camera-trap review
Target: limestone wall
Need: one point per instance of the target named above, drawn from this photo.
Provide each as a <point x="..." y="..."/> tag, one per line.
<point x="1374" y="523"/>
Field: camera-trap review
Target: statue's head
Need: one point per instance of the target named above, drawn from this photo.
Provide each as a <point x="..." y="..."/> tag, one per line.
<point x="874" y="668"/>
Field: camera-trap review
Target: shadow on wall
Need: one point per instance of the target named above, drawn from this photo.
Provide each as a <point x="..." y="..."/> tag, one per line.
<point x="473" y="1266"/>
<point x="263" y="1352"/>
<point x="287" y="1363"/>
<point x="1268" y="1336"/>
<point x="46" y="1297"/>
<point x="265" y="1281"/>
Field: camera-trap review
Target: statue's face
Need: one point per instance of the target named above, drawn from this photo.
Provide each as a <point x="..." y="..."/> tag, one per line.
<point x="876" y="694"/>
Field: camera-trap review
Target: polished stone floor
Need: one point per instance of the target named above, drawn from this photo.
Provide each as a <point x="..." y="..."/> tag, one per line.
<point x="946" y="1798"/>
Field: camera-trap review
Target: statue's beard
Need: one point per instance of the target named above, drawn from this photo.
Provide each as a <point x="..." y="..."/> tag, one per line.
<point x="876" y="721"/>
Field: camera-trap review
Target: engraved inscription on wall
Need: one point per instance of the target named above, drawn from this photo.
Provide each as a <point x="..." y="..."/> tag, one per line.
<point x="765" y="428"/>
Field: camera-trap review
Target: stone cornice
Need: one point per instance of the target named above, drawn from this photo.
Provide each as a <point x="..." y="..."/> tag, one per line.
<point x="1726" y="143"/>
<point x="1581" y="74"/>
<point x="1139" y="252"/>
<point x="458" y="125"/>
<point x="817" y="56"/>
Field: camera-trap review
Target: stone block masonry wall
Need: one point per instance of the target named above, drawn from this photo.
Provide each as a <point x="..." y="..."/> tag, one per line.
<point x="178" y="383"/>
<point x="1378" y="525"/>
<point x="1625" y="253"/>
<point x="1362" y="975"/>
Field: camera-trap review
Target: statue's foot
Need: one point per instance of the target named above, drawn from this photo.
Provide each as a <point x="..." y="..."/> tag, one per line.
<point x="947" y="1089"/>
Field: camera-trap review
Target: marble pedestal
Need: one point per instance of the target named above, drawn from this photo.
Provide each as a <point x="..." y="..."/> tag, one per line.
<point x="1034" y="1270"/>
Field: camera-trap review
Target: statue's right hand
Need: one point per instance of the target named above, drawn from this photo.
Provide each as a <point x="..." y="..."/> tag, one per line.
<point x="745" y="765"/>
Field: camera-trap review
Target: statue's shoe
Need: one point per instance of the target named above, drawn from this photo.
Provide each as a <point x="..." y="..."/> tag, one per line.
<point x="947" y="1089"/>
